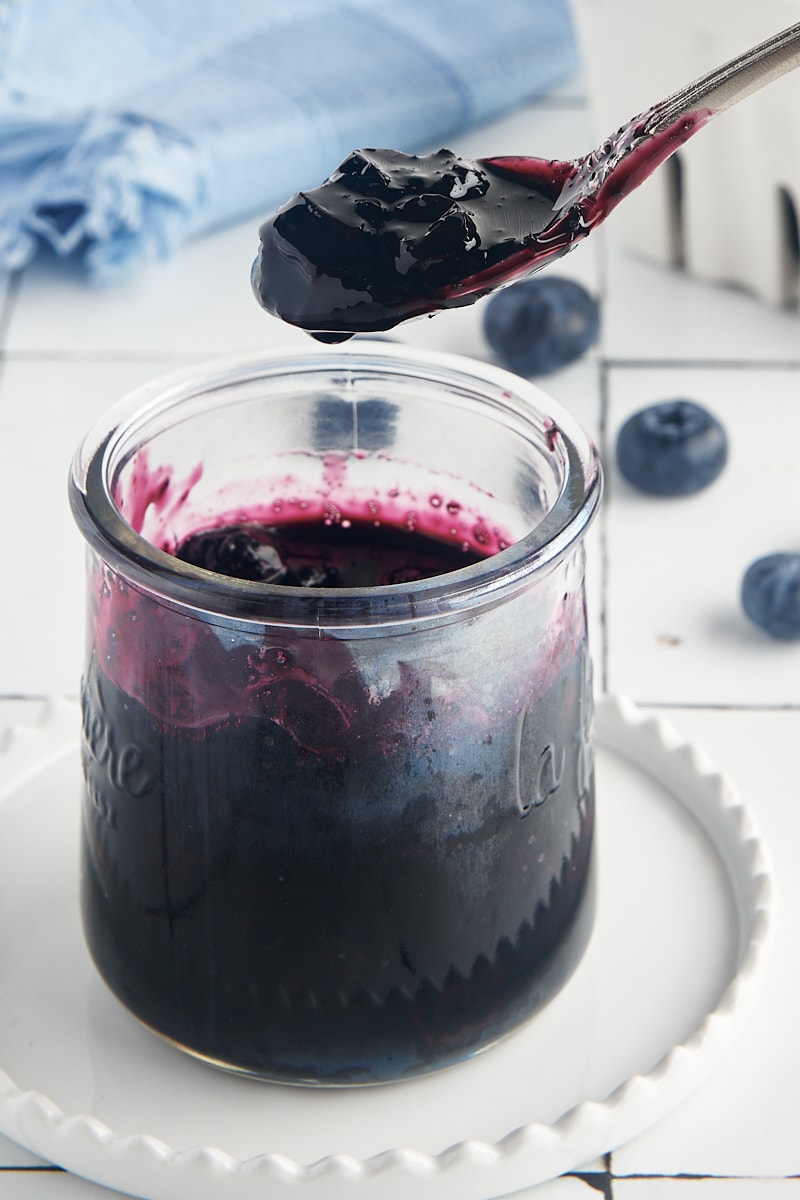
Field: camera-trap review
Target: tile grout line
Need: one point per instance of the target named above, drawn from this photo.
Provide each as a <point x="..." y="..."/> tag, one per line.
<point x="610" y="360"/>
<point x="711" y="706"/>
<point x="700" y="1175"/>
<point x="144" y="354"/>
<point x="106" y="356"/>
<point x="36" y="1168"/>
<point x="703" y="364"/>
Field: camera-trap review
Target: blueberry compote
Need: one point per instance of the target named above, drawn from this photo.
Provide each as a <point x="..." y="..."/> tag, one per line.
<point x="323" y="860"/>
<point x="311" y="554"/>
<point x="390" y="236"/>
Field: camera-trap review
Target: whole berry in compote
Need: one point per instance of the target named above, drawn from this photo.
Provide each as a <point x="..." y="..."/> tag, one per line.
<point x="538" y="326"/>
<point x="771" y="595"/>
<point x="673" y="448"/>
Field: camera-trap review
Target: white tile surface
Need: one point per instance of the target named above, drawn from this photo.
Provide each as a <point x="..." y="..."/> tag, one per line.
<point x="50" y="1184"/>
<point x="197" y="304"/>
<point x="676" y="632"/>
<point x="656" y="313"/>
<point x="12" y="1155"/>
<point x="13" y="712"/>
<point x="743" y="1121"/>
<point x="663" y="580"/>
<point x="45" y="408"/>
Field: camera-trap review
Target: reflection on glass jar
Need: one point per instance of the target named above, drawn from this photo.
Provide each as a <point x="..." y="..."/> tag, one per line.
<point x="337" y="731"/>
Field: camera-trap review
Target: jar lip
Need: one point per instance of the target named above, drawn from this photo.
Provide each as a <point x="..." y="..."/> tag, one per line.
<point x="465" y="588"/>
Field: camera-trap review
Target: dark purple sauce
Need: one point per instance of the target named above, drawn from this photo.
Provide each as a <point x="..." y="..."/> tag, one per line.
<point x="312" y="554"/>
<point x="391" y="236"/>
<point x="291" y="873"/>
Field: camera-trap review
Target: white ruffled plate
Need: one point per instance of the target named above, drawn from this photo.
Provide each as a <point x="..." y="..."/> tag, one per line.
<point x="683" y="918"/>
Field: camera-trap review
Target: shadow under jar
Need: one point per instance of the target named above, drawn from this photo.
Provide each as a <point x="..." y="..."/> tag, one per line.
<point x="338" y="815"/>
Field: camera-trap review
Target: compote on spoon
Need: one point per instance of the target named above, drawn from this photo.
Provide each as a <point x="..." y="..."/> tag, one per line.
<point x="391" y="236"/>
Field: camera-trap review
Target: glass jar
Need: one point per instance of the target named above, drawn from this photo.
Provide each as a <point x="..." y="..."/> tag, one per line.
<point x="337" y="834"/>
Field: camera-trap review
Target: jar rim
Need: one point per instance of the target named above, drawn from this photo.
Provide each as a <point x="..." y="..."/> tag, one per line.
<point x="227" y="599"/>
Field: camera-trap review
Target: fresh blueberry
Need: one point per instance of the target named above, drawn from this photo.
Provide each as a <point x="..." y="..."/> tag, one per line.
<point x="771" y="595"/>
<point x="539" y="325"/>
<point x="672" y="448"/>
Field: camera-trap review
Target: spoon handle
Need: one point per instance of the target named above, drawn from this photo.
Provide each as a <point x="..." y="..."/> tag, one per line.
<point x="734" y="80"/>
<point x="596" y="183"/>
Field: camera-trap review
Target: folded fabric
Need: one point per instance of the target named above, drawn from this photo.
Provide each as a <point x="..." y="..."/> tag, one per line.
<point x="130" y="126"/>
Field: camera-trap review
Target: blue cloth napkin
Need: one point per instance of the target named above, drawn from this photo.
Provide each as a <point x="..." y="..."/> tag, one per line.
<point x="130" y="126"/>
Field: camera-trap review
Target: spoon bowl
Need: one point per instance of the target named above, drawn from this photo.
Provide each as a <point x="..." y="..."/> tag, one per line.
<point x="391" y="236"/>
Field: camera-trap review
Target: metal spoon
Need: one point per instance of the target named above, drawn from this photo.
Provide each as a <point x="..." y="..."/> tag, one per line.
<point x="391" y="236"/>
<point x="597" y="182"/>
